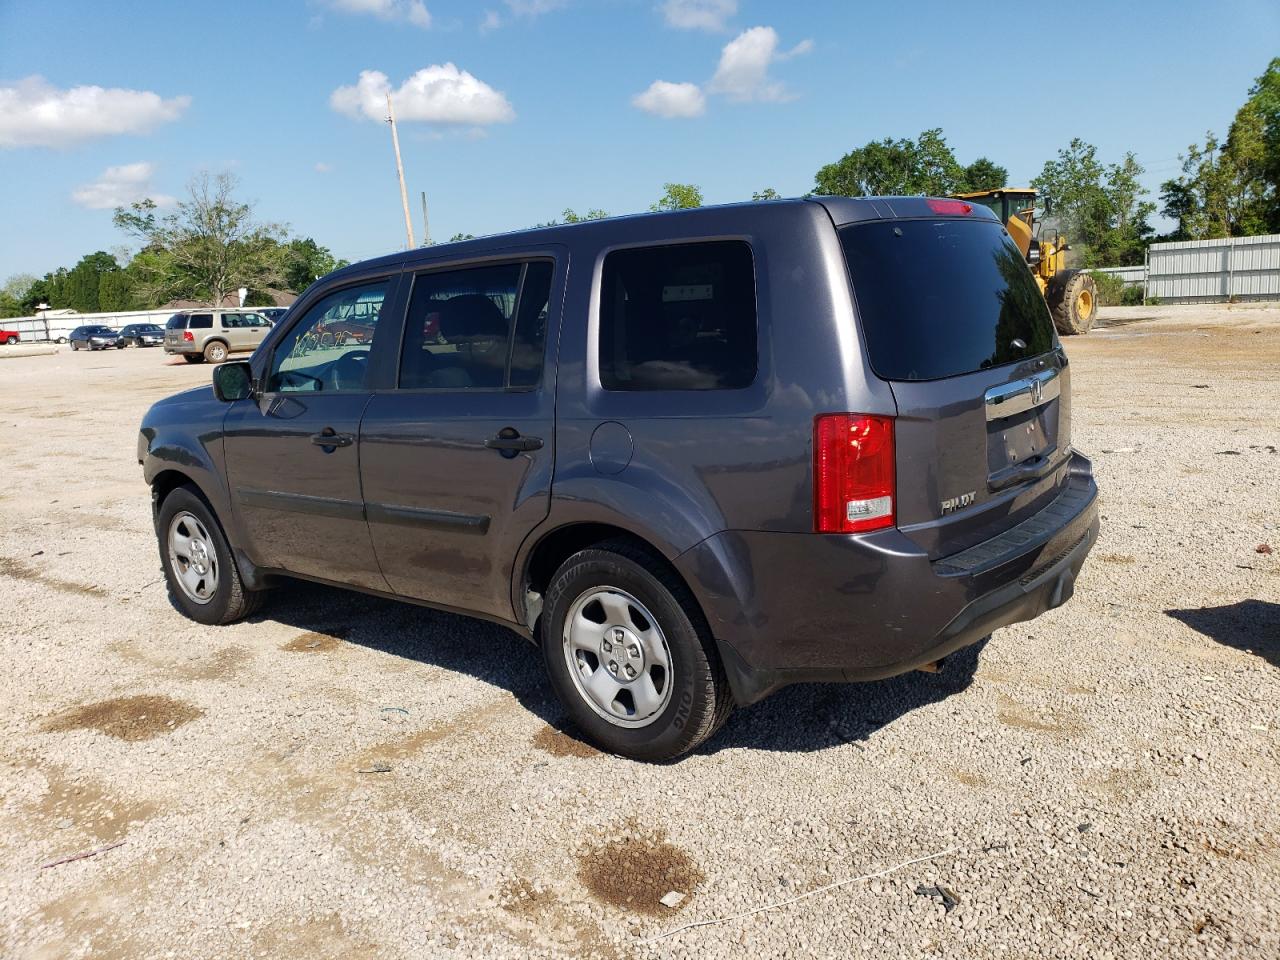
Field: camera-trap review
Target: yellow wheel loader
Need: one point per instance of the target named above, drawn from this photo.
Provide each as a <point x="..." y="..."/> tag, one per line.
<point x="1071" y="294"/>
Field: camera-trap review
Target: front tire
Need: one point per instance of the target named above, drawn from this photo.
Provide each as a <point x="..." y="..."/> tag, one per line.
<point x="630" y="655"/>
<point x="1073" y="301"/>
<point x="204" y="583"/>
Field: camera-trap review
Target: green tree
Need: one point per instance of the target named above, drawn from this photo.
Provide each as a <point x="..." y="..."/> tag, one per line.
<point x="569" y="216"/>
<point x="982" y="174"/>
<point x="924" y="166"/>
<point x="210" y="245"/>
<point x="457" y="237"/>
<point x="115" y="291"/>
<point x="18" y="285"/>
<point x="85" y="278"/>
<point x="677" y="196"/>
<point x="768" y="193"/>
<point x="1101" y="207"/>
<point x="304" y="262"/>
<point x="10" y="305"/>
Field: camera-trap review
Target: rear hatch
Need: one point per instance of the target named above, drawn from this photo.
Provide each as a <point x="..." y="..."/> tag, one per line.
<point x="173" y="330"/>
<point x="953" y="320"/>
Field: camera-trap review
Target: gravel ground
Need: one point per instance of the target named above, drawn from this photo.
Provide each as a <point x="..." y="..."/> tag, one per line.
<point x="1104" y="779"/>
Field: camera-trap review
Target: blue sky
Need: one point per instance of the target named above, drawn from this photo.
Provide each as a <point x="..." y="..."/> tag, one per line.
<point x="540" y="111"/>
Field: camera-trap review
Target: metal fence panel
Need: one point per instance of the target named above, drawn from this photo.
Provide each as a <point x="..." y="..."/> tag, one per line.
<point x="1209" y="271"/>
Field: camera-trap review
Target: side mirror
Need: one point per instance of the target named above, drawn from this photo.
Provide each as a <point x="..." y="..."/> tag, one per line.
<point x="233" y="381"/>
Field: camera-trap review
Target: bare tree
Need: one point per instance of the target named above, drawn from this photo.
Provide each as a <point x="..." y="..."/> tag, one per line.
<point x="208" y="247"/>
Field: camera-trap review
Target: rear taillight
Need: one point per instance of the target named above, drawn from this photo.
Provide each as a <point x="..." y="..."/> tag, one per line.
<point x="188" y="336"/>
<point x="853" y="473"/>
<point x="952" y="208"/>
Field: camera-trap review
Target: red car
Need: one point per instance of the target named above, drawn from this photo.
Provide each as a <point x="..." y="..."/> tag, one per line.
<point x="8" y="336"/>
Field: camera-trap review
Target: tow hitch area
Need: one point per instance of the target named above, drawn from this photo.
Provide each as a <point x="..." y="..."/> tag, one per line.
<point x="933" y="666"/>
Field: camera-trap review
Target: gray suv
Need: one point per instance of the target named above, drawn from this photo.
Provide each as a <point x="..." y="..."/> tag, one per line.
<point x="693" y="456"/>
<point x="200" y="335"/>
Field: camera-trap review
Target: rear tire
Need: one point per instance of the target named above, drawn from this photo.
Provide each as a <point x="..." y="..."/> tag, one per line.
<point x="74" y="346"/>
<point x="11" y="341"/>
<point x="215" y="351"/>
<point x="627" y="611"/>
<point x="1073" y="301"/>
<point x="204" y="583"/>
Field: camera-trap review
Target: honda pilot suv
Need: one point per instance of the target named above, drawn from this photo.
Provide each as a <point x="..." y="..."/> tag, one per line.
<point x="200" y="335"/>
<point x="693" y="456"/>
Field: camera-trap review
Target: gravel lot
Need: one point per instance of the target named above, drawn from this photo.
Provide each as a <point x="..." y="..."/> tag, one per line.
<point x="1105" y="779"/>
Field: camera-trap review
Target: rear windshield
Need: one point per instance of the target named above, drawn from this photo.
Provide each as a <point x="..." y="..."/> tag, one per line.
<point x="938" y="298"/>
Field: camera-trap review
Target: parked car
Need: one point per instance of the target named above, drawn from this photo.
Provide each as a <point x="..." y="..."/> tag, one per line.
<point x="92" y="337"/>
<point x="732" y="449"/>
<point x="140" y="335"/>
<point x="200" y="335"/>
<point x="9" y="336"/>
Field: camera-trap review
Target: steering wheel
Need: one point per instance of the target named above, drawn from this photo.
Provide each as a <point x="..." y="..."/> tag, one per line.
<point x="347" y="372"/>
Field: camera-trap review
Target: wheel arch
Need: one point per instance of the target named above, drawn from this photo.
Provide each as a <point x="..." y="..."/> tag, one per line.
<point x="547" y="551"/>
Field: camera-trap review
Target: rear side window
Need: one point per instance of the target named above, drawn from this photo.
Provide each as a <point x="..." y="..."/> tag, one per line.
<point x="482" y="328"/>
<point x="177" y="322"/>
<point x="679" y="317"/>
<point x="940" y="298"/>
<point x="201" y="321"/>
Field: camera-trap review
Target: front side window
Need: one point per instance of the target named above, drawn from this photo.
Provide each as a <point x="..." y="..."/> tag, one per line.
<point x="482" y="328"/>
<point x="680" y="317"/>
<point x="328" y="349"/>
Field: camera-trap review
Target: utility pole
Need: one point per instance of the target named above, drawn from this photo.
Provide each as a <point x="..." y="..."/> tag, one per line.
<point x="426" y="224"/>
<point x="404" y="194"/>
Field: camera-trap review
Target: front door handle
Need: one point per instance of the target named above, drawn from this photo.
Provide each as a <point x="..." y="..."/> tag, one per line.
<point x="509" y="442"/>
<point x="330" y="439"/>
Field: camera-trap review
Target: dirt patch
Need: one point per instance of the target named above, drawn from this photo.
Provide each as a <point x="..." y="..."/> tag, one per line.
<point x="223" y="665"/>
<point x="1122" y="558"/>
<point x="317" y="642"/>
<point x="969" y="778"/>
<point x="1057" y="723"/>
<point x="635" y="873"/>
<point x="21" y="571"/>
<point x="522" y="898"/>
<point x="1121" y="784"/>
<point x="83" y="809"/>
<point x="128" y="718"/>
<point x="560" y="744"/>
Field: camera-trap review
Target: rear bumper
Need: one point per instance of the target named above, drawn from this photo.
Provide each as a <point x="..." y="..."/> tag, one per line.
<point x="791" y="608"/>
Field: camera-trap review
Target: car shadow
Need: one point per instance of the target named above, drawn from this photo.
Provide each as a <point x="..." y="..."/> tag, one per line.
<point x="815" y="716"/>
<point x="1249" y="625"/>
<point x="803" y="718"/>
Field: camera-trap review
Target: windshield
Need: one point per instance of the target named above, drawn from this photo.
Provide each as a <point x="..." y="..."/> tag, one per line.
<point x="939" y="298"/>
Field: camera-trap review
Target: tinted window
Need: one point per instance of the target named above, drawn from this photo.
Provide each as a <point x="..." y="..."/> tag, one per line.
<point x="177" y="322"/>
<point x="328" y="348"/>
<point x="458" y="333"/>
<point x="201" y="321"/>
<point x="678" y="318"/>
<point x="938" y="298"/>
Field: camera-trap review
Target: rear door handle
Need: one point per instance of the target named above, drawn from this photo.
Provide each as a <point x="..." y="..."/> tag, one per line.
<point x="330" y="439"/>
<point x="509" y="442"/>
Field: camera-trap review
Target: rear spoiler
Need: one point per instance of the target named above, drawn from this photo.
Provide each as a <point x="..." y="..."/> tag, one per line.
<point x="845" y="210"/>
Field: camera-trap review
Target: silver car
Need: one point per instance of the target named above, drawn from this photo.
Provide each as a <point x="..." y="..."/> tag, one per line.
<point x="213" y="334"/>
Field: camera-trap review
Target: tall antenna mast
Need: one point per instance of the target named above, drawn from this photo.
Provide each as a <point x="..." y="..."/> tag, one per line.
<point x="404" y="194"/>
<point x="426" y="224"/>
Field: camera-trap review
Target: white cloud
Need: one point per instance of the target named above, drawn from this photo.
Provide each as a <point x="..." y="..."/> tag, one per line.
<point x="667" y="99"/>
<point x="411" y="11"/>
<point x="322" y="167"/>
<point x="493" y="20"/>
<point x="34" y="113"/>
<point x="743" y="71"/>
<point x="712" y="15"/>
<point x="440" y="93"/>
<point x="119" y="187"/>
<point x="534" y="8"/>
